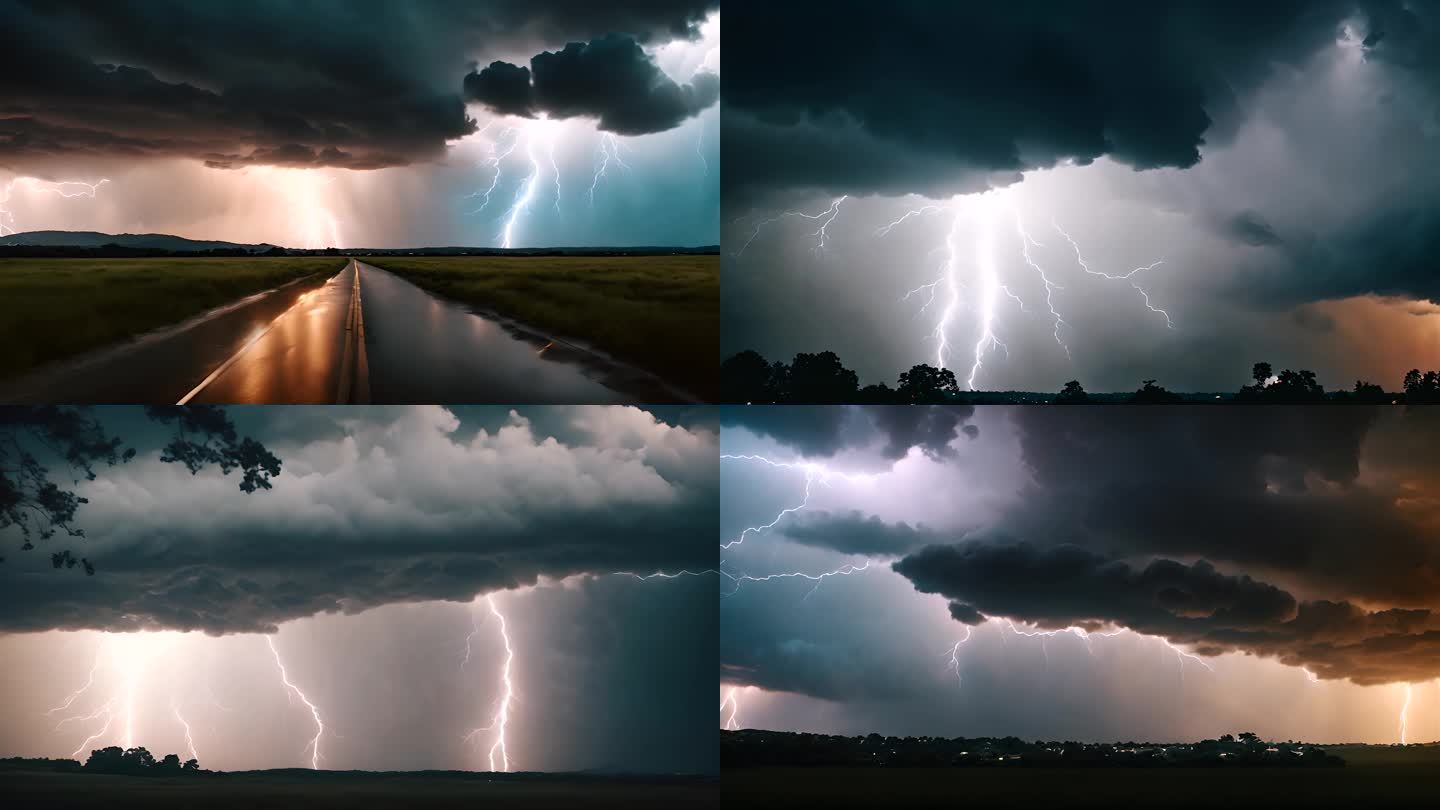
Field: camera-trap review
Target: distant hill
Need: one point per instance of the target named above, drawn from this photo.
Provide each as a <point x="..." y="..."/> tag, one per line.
<point x="134" y="241"/>
<point x="90" y="244"/>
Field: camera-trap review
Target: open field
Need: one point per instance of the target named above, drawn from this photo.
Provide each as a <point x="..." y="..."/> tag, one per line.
<point x="660" y="313"/>
<point x="53" y="309"/>
<point x="1374" y="778"/>
<point x="352" y="790"/>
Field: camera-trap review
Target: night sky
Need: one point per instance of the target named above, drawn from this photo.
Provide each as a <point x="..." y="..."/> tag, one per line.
<point x="1270" y="569"/>
<point x="1275" y="158"/>
<point x="370" y="563"/>
<point x="331" y="123"/>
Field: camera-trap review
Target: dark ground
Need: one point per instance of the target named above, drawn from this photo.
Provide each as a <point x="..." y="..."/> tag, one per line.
<point x="1374" y="776"/>
<point x="352" y="790"/>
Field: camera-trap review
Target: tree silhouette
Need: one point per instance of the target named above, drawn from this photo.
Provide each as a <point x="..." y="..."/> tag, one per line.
<point x="1071" y="393"/>
<point x="137" y="762"/>
<point x="1369" y="392"/>
<point x="820" y="379"/>
<point x="42" y="446"/>
<point x="1422" y="389"/>
<point x="1151" y="394"/>
<point x="927" y="384"/>
<point x="1249" y="737"/>
<point x="1288" y="387"/>
<point x="1261" y="372"/>
<point x="746" y="377"/>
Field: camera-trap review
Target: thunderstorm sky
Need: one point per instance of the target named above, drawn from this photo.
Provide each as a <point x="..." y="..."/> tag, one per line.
<point x="324" y="123"/>
<point x="370" y="564"/>
<point x="1276" y="159"/>
<point x="1271" y="571"/>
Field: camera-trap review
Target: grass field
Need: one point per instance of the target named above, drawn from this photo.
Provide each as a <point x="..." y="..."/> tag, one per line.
<point x="52" y="309"/>
<point x="1372" y="780"/>
<point x="661" y="313"/>
<point x="349" y="790"/>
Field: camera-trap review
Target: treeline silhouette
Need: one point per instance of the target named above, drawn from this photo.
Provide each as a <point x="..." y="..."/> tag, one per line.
<point x="137" y="762"/>
<point x="752" y="748"/>
<point x="111" y="760"/>
<point x="820" y="378"/>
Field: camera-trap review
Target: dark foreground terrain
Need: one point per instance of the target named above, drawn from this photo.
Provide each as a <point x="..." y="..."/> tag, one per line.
<point x="1373" y="776"/>
<point x="317" y="790"/>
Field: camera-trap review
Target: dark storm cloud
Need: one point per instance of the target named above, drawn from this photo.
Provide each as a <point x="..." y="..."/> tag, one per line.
<point x="610" y="79"/>
<point x="403" y="506"/>
<point x="1278" y="490"/>
<point x="1248" y="227"/>
<point x="823" y="430"/>
<point x="1192" y="604"/>
<point x="348" y="85"/>
<point x="926" y="97"/>
<point x="853" y="533"/>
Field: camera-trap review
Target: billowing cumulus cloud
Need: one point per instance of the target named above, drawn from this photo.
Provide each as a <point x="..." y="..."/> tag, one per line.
<point x="344" y="85"/>
<point x="611" y="80"/>
<point x="404" y="505"/>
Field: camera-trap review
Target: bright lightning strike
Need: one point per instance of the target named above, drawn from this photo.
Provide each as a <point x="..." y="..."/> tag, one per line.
<point x="844" y="570"/>
<point x="732" y="699"/>
<point x="314" y="745"/>
<point x="824" y="218"/>
<point x="501" y="718"/>
<point x="608" y="149"/>
<point x="1130" y="276"/>
<point x="189" y="739"/>
<point x="1405" y="715"/>
<point x="522" y="202"/>
<point x="68" y="189"/>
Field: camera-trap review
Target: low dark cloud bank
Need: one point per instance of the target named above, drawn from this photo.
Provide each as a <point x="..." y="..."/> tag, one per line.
<point x="610" y="79"/>
<point x="1194" y="604"/>
<point x="934" y="98"/>
<point x="350" y="85"/>
<point x="402" y="505"/>
<point x="824" y="430"/>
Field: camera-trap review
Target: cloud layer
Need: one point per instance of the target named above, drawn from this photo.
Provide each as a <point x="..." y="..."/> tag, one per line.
<point x="393" y="506"/>
<point x="611" y="80"/>
<point x="327" y="84"/>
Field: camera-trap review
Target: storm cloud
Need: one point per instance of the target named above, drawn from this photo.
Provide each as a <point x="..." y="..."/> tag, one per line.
<point x="611" y="80"/>
<point x="823" y="430"/>
<point x="315" y="84"/>
<point x="408" y="505"/>
<point x="1213" y="613"/>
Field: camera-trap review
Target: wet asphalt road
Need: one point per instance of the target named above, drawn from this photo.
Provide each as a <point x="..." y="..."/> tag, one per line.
<point x="303" y="344"/>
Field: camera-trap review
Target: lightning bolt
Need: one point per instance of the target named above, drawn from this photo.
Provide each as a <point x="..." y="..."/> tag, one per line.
<point x="522" y="202"/>
<point x="700" y="151"/>
<point x="824" y="218"/>
<point x="68" y="189"/>
<point x="608" y="149"/>
<point x="189" y="740"/>
<point x="1130" y="276"/>
<point x="501" y="717"/>
<point x="732" y="699"/>
<point x="494" y="162"/>
<point x="314" y="745"/>
<point x="844" y="570"/>
<point x="954" y="665"/>
<point x="1405" y="716"/>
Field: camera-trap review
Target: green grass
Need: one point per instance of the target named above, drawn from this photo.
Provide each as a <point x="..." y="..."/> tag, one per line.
<point x="661" y="313"/>
<point x="52" y="309"/>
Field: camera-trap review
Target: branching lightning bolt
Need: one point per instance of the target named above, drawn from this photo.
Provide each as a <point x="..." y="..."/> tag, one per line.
<point x="824" y="218"/>
<point x="732" y="699"/>
<point x="501" y="717"/>
<point x="1130" y="276"/>
<point x="314" y="745"/>
<point x="494" y="161"/>
<point x="189" y="740"/>
<point x="64" y="188"/>
<point x="608" y="149"/>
